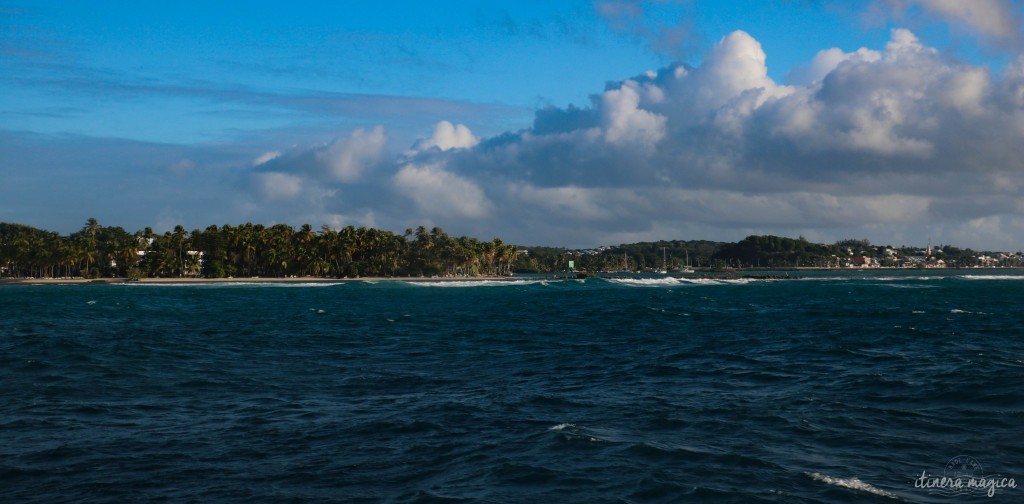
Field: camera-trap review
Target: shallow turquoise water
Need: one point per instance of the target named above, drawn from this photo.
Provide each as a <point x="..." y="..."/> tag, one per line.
<point x="831" y="388"/>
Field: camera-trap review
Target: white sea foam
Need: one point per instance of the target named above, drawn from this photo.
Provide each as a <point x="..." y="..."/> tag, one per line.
<point x="874" y="278"/>
<point x="851" y="483"/>
<point x="957" y="311"/>
<point x="474" y="283"/>
<point x="672" y="281"/>
<point x="646" y="282"/>
<point x="722" y="281"/>
<point x="232" y="284"/>
<point x="993" y="277"/>
<point x="562" y="426"/>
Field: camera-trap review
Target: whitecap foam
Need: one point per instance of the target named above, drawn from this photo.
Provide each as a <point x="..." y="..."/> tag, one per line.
<point x="957" y="311"/>
<point x="873" y="278"/>
<point x="562" y="426"/>
<point x="993" y="277"/>
<point x="851" y="483"/>
<point x="674" y="281"/>
<point x="215" y="284"/>
<point x="719" y="281"/>
<point x="473" y="283"/>
<point x="646" y="282"/>
<point x="823" y="278"/>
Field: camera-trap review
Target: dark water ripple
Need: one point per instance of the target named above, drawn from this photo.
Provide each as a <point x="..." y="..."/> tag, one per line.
<point x="832" y="389"/>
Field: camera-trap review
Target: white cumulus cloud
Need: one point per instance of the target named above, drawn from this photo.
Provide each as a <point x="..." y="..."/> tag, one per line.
<point x="447" y="136"/>
<point x="276" y="186"/>
<point x="347" y="158"/>
<point x="439" y="193"/>
<point x="625" y="123"/>
<point x="885" y="142"/>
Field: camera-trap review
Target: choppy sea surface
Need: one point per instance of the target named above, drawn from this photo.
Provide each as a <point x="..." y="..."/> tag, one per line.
<point x="836" y="387"/>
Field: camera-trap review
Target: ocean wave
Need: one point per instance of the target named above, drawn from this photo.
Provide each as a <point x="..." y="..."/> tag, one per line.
<point x="674" y="282"/>
<point x="719" y="281"/>
<point x="646" y="282"/>
<point x="216" y="284"/>
<point x="992" y="277"/>
<point x="882" y="278"/>
<point x="957" y="311"/>
<point x="572" y="432"/>
<point x="474" y="283"/>
<point x="851" y="483"/>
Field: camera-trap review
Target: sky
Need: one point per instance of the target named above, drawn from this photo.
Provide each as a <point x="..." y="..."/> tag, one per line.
<point x="575" y="123"/>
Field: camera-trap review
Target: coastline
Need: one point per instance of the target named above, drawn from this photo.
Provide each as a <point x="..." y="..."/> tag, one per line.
<point x="196" y="280"/>
<point x="700" y="273"/>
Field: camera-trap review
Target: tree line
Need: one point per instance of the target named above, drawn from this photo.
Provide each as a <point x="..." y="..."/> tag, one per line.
<point x="247" y="250"/>
<point x="668" y="254"/>
<point x="764" y="251"/>
<point x="254" y="250"/>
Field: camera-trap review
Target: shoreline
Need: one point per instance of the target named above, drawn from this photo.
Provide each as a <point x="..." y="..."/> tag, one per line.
<point x="196" y="280"/>
<point x="700" y="273"/>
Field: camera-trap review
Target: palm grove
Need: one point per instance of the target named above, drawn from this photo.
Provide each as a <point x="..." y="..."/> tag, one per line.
<point x="248" y="250"/>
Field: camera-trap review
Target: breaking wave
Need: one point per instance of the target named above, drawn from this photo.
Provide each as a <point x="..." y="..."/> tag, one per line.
<point x="851" y="483"/>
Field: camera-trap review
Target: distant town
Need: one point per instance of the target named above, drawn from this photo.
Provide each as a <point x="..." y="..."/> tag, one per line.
<point x="760" y="252"/>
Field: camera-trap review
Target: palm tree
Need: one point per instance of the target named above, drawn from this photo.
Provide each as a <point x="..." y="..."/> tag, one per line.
<point x="177" y="244"/>
<point x="305" y="249"/>
<point x="89" y="231"/>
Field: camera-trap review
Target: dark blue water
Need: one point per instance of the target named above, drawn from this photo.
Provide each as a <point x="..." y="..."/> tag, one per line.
<point x="837" y="388"/>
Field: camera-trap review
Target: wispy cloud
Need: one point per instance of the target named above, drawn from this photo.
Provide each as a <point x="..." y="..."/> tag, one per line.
<point x="114" y="84"/>
<point x="996" y="23"/>
<point x="677" y="38"/>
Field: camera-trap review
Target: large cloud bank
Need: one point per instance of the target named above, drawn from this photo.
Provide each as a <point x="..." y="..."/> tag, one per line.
<point x="897" y="143"/>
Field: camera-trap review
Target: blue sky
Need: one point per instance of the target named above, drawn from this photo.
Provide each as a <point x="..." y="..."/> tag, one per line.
<point x="559" y="123"/>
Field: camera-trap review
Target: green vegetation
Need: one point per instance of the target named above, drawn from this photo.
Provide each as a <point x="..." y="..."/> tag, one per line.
<point x="248" y="250"/>
<point x="755" y="252"/>
<point x="774" y="252"/>
<point x="635" y="256"/>
<point x="253" y="250"/>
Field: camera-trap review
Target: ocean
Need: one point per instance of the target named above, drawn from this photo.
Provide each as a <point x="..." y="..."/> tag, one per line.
<point x="866" y="386"/>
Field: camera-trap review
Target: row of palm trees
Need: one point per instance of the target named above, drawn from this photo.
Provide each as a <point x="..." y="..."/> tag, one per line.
<point x="247" y="250"/>
<point x="30" y="252"/>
